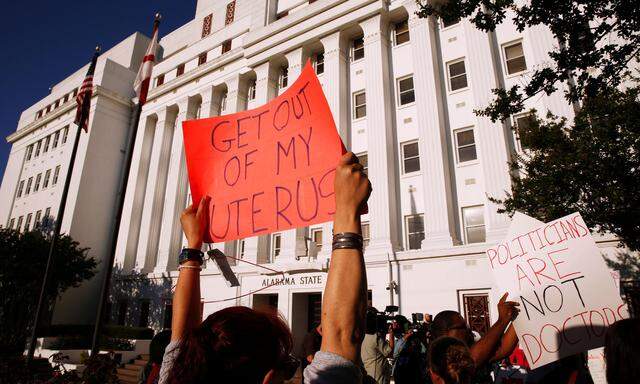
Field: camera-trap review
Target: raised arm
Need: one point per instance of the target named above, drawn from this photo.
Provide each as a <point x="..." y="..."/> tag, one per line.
<point x="508" y="343"/>
<point x="345" y="295"/>
<point x="485" y="349"/>
<point x="186" y="299"/>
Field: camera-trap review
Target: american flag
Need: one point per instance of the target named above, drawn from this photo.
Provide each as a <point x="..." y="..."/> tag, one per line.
<point x="143" y="78"/>
<point x="84" y="96"/>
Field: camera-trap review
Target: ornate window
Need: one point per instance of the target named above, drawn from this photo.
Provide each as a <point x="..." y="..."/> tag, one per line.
<point x="207" y="22"/>
<point x="476" y="311"/>
<point x="231" y="10"/>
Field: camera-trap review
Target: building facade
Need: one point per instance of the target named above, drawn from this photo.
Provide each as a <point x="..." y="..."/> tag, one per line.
<point x="402" y="91"/>
<point x="39" y="160"/>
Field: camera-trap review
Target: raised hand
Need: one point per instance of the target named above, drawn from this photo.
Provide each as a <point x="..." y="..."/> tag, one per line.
<point x="507" y="310"/>
<point x="194" y="222"/>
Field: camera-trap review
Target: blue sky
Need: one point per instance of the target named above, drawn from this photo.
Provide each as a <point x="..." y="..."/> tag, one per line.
<point x="44" y="41"/>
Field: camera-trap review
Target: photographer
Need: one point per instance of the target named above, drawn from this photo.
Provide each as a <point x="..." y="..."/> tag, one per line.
<point x="377" y="348"/>
<point x="410" y="363"/>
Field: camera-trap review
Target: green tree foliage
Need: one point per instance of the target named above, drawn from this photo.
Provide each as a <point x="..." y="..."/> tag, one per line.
<point x="597" y="39"/>
<point x="23" y="259"/>
<point x="591" y="166"/>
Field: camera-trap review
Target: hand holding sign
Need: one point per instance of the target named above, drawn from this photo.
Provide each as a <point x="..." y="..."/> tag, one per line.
<point x="267" y="169"/>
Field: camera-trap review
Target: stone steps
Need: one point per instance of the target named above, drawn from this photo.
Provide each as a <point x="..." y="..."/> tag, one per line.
<point x="128" y="373"/>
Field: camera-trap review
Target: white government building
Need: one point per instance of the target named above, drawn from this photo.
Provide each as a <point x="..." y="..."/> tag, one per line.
<point x="402" y="90"/>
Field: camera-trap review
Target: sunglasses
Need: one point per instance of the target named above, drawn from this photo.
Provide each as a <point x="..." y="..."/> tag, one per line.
<point x="288" y="367"/>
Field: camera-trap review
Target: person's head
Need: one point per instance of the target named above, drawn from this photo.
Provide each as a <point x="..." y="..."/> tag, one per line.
<point x="400" y="324"/>
<point x="450" y="361"/>
<point x="427" y="318"/>
<point x="452" y="324"/>
<point x="235" y="345"/>
<point x="622" y="351"/>
<point x="158" y="345"/>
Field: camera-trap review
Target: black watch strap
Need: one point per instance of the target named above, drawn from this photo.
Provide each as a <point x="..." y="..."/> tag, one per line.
<point x="190" y="254"/>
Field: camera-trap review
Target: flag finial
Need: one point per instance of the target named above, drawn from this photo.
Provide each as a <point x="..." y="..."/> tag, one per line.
<point x="98" y="48"/>
<point x="158" y="16"/>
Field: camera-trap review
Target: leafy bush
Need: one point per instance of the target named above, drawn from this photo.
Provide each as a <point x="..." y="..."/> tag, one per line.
<point x="20" y="281"/>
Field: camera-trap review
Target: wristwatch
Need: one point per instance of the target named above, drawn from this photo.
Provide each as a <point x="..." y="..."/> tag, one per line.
<point x="190" y="254"/>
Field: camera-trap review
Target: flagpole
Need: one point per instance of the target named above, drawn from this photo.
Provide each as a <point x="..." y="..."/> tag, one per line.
<point x="56" y="233"/>
<point x="104" y="292"/>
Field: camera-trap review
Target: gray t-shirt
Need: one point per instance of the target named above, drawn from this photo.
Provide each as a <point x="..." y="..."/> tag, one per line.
<point x="170" y="354"/>
<point x="326" y="368"/>
<point x="329" y="368"/>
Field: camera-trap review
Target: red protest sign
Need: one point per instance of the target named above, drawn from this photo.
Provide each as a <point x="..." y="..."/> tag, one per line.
<point x="267" y="169"/>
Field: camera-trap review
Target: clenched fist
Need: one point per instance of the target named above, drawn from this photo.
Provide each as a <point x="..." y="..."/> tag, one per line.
<point x="352" y="188"/>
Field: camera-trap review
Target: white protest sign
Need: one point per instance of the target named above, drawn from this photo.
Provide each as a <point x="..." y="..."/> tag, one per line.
<point x="566" y="293"/>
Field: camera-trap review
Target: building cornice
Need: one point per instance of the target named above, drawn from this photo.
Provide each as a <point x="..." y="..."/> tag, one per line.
<point x="314" y="17"/>
<point x="63" y="109"/>
<point x="199" y="71"/>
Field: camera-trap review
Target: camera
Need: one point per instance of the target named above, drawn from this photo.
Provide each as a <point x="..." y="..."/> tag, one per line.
<point x="379" y="322"/>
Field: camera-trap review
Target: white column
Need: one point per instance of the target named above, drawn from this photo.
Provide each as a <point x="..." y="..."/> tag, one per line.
<point x="434" y="157"/>
<point x="492" y="137"/>
<point x="293" y="240"/>
<point x="175" y="197"/>
<point x="154" y="194"/>
<point x="266" y="89"/>
<point x="380" y="138"/>
<point x="336" y="90"/>
<point x="136" y="185"/>
<point x="211" y="107"/>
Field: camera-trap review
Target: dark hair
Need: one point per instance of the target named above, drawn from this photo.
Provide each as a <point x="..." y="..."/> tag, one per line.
<point x="233" y="345"/>
<point x="450" y="359"/>
<point x="622" y="351"/>
<point x="158" y="345"/>
<point x="441" y="323"/>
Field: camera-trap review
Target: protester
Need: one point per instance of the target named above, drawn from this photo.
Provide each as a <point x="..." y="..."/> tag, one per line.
<point x="151" y="372"/>
<point x="450" y="361"/>
<point x="242" y="345"/>
<point x="311" y="345"/>
<point x="622" y="352"/>
<point x="495" y="345"/>
<point x="377" y="349"/>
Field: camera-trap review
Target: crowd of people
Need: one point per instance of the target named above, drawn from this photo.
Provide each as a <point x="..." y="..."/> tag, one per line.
<point x="353" y="343"/>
